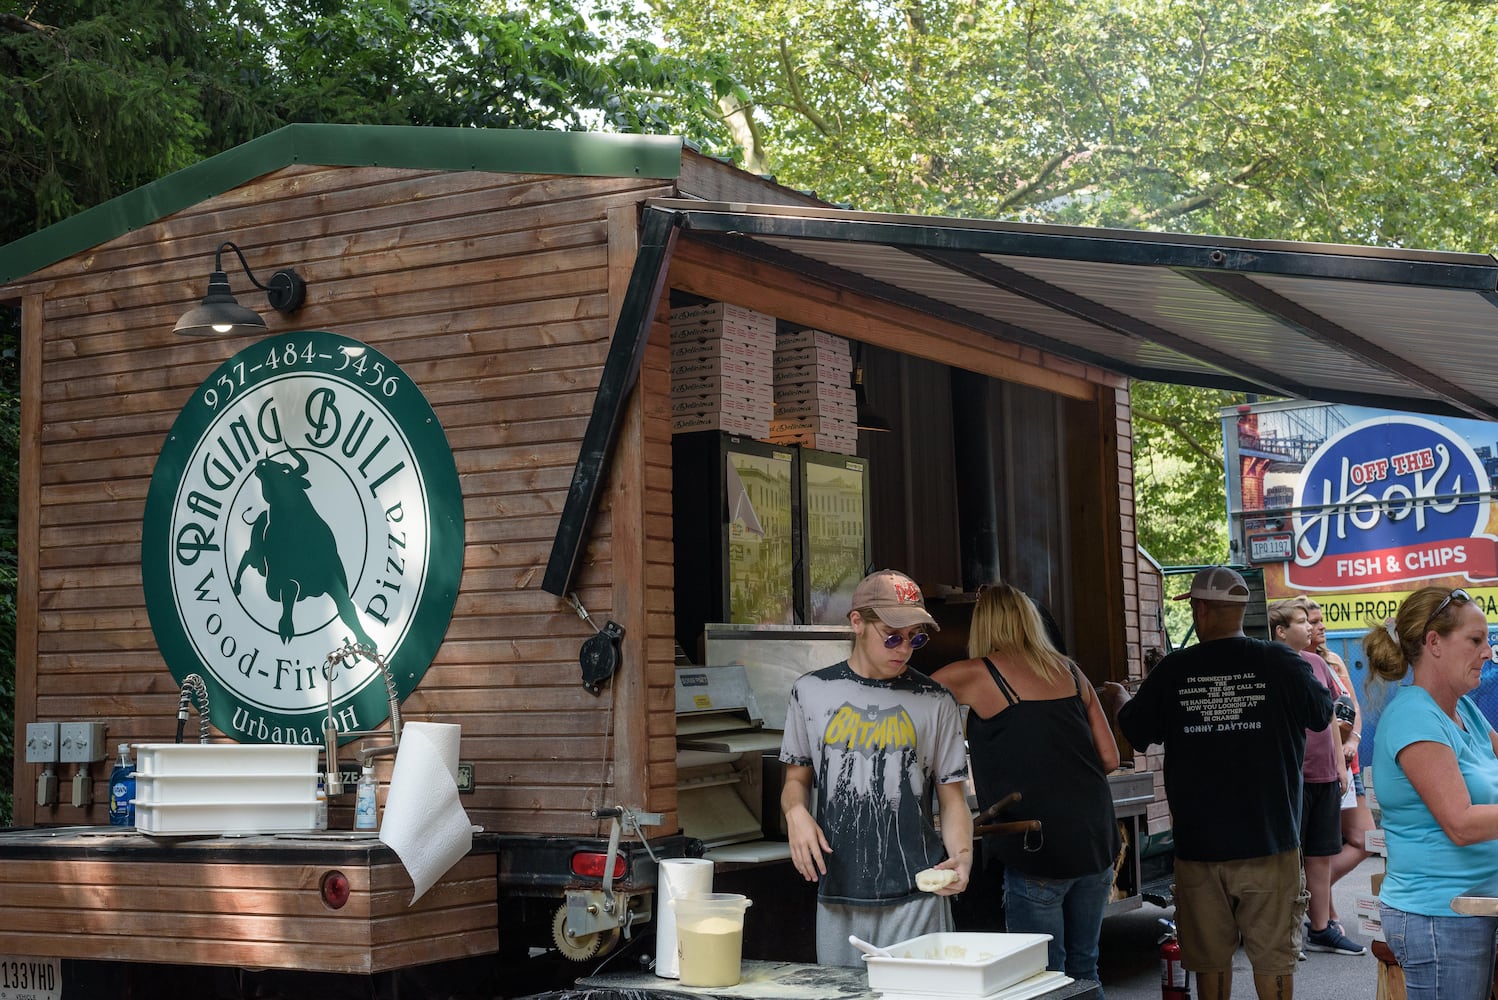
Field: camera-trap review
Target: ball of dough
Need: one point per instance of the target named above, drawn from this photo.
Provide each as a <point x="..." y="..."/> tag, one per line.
<point x="933" y="879"/>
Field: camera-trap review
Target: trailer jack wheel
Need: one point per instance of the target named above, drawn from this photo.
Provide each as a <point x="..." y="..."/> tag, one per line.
<point x="581" y="947"/>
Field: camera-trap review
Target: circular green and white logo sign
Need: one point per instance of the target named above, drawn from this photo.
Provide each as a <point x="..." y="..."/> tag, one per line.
<point x="305" y="500"/>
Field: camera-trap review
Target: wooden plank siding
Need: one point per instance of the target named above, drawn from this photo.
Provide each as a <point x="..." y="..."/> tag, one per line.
<point x="1116" y="426"/>
<point x="245" y="914"/>
<point x="28" y="504"/>
<point x="497" y="294"/>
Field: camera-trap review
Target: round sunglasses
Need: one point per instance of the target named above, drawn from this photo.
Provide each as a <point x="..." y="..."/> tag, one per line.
<point x="892" y="640"/>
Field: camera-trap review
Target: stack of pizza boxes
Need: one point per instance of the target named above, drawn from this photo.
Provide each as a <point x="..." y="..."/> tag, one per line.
<point x="721" y="357"/>
<point x="814" y="401"/>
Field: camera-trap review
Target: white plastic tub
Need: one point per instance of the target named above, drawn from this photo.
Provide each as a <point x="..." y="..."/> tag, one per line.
<point x="224" y="758"/>
<point x="202" y="788"/>
<point x="204" y="819"/>
<point x="205" y="789"/>
<point x="958" y="964"/>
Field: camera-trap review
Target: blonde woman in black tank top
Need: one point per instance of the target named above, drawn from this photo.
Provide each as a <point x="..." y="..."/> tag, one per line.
<point x="1035" y="727"/>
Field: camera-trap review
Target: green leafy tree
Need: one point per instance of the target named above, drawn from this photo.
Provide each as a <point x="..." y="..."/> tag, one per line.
<point x="1342" y="121"/>
<point x="95" y="99"/>
<point x="1178" y="472"/>
<point x="100" y="96"/>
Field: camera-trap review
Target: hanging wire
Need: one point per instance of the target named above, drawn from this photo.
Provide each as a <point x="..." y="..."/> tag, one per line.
<point x="582" y="612"/>
<point x="608" y="726"/>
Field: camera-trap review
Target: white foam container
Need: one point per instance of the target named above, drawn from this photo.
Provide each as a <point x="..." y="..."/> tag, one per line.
<point x="188" y="819"/>
<point x="161" y="789"/>
<point x="207" y="789"/>
<point x="224" y="758"/>
<point x="958" y="964"/>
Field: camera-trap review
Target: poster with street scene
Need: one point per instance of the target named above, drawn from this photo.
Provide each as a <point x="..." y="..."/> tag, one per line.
<point x="759" y="532"/>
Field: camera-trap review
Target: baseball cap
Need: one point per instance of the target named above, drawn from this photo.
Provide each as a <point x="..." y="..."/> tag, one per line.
<point x="895" y="598"/>
<point x="1217" y="583"/>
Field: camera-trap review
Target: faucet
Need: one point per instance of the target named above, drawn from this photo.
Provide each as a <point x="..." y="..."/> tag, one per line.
<point x="344" y="656"/>
<point x="193" y="689"/>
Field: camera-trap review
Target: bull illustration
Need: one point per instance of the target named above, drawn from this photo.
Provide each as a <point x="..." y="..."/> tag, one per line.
<point x="294" y="549"/>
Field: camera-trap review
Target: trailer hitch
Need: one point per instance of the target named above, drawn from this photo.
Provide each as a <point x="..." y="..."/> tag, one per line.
<point x="591" y="920"/>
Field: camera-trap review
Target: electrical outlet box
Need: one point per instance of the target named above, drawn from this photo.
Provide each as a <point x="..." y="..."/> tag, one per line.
<point x="41" y="743"/>
<point x="81" y="742"/>
<point x="465" y="777"/>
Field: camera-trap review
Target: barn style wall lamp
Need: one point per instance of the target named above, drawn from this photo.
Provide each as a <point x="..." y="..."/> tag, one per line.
<point x="220" y="314"/>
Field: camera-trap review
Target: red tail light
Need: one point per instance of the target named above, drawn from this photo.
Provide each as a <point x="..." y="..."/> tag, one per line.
<point x="335" y="889"/>
<point x="590" y="865"/>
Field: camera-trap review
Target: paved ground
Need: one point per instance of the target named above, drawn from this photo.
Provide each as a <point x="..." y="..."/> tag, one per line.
<point x="1130" y="955"/>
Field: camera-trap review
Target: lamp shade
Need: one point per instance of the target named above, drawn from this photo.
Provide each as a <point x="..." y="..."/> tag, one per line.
<point x="219" y="314"/>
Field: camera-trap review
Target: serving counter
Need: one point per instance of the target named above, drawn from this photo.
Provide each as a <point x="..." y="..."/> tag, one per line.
<point x="258" y="900"/>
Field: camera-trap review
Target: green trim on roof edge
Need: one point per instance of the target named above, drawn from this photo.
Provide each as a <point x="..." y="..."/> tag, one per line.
<point x="581" y="154"/>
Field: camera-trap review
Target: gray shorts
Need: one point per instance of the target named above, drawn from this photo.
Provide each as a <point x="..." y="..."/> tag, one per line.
<point x="923" y="913"/>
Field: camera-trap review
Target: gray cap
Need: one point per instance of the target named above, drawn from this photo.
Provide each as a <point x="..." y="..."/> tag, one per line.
<point x="1217" y="583"/>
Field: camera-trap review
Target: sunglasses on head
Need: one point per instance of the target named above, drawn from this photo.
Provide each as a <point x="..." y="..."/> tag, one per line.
<point x="1458" y="595"/>
<point x="892" y="640"/>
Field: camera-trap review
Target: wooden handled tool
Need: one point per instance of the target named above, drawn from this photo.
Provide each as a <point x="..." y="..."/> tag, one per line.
<point x="992" y="812"/>
<point x="1016" y="826"/>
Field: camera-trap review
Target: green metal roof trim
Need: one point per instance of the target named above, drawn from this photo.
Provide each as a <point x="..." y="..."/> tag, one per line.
<point x="581" y="154"/>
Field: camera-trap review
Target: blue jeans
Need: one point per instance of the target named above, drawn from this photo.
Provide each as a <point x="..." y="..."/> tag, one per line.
<point x="1070" y="910"/>
<point x="1443" y="958"/>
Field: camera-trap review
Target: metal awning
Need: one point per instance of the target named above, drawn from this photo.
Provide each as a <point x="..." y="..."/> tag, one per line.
<point x="1398" y="329"/>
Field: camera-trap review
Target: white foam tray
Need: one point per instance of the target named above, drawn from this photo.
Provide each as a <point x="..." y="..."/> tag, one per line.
<point x="224" y="758"/>
<point x="957" y="964"/>
<point x="201" y="819"/>
<point x="208" y="788"/>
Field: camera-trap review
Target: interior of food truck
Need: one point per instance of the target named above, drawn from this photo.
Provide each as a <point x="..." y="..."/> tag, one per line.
<point x="959" y="479"/>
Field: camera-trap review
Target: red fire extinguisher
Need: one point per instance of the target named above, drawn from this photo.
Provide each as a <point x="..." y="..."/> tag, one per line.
<point x="1174" y="981"/>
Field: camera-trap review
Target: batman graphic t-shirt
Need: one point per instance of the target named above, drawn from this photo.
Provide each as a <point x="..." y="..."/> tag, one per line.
<point x="878" y="750"/>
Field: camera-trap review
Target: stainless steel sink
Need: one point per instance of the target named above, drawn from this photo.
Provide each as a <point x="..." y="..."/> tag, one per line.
<point x="54" y="832"/>
<point x="107" y="831"/>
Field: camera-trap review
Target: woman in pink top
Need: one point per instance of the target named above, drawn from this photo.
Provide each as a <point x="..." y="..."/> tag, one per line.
<point x="1324" y="782"/>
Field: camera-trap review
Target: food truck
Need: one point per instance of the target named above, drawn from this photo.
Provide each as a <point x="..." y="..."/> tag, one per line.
<point x="555" y="456"/>
<point x="1359" y="506"/>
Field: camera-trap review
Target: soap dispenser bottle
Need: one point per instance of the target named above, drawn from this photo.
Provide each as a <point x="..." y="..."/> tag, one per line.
<point x="365" y="816"/>
<point x="122" y="790"/>
<point x="320" y="816"/>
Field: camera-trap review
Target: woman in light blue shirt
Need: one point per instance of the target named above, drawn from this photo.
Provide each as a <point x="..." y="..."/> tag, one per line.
<point x="1435" y="769"/>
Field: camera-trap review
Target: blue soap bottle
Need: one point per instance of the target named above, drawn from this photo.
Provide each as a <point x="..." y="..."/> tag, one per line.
<point x="122" y="790"/>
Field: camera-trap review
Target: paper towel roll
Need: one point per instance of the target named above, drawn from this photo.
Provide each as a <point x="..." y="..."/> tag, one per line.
<point x="424" y="824"/>
<point x="676" y="877"/>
